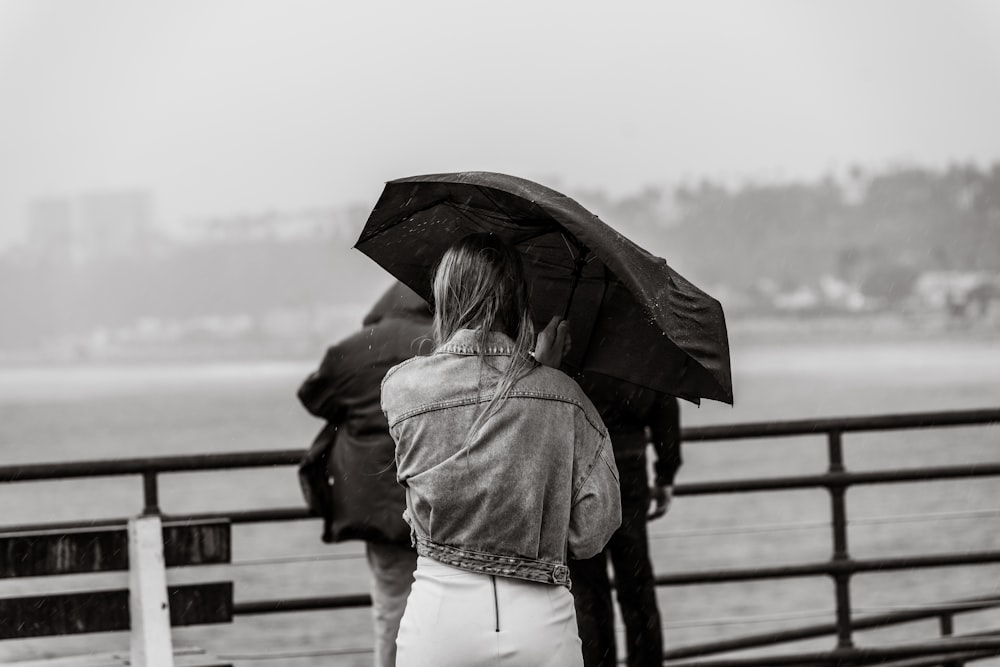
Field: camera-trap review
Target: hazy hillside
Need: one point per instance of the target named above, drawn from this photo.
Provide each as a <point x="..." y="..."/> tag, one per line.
<point x="792" y="233"/>
<point x="877" y="231"/>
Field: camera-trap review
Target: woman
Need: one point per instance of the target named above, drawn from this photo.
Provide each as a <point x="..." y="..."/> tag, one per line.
<point x="508" y="471"/>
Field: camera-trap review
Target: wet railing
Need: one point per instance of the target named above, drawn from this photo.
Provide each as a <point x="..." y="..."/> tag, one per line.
<point x="840" y="567"/>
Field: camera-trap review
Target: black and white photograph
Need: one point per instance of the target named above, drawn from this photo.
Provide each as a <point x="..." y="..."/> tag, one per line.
<point x="526" y="334"/>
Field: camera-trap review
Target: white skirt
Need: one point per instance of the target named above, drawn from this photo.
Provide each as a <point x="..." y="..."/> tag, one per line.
<point x="454" y="617"/>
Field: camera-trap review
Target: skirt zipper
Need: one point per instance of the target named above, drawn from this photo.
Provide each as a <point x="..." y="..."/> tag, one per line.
<point x="496" y="603"/>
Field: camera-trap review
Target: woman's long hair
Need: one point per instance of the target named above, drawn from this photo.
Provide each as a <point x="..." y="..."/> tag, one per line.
<point x="479" y="284"/>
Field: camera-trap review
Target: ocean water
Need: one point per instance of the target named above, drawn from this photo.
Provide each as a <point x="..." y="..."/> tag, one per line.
<point x="105" y="411"/>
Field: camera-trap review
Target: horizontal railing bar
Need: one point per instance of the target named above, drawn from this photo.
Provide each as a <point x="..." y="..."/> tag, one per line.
<point x="843" y="424"/>
<point x="50" y="471"/>
<point x="846" y="566"/>
<point x="825" y="629"/>
<point x="65" y="525"/>
<point x="839" y="479"/>
<point x="746" y="574"/>
<point x="302" y="604"/>
<point x="155" y="464"/>
<point x="850" y="655"/>
<point x="250" y="516"/>
<point x="238" y="517"/>
<point x="968" y="470"/>
<point x="920" y="561"/>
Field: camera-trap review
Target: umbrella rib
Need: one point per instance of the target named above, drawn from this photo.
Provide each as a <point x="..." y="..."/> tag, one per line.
<point x="533" y="236"/>
<point x="486" y="193"/>
<point x="471" y="212"/>
<point x="367" y="235"/>
<point x="568" y="247"/>
<point x="521" y="240"/>
<point x="455" y="206"/>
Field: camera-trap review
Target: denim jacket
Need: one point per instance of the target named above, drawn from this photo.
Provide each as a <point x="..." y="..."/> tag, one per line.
<point x="534" y="485"/>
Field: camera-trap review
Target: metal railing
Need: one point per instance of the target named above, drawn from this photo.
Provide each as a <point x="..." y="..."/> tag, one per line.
<point x="841" y="567"/>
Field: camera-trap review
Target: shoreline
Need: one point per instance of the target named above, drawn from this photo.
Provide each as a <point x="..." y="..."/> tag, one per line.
<point x="744" y="332"/>
<point x="878" y="328"/>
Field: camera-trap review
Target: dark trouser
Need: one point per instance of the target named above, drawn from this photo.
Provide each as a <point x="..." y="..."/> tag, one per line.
<point x="634" y="585"/>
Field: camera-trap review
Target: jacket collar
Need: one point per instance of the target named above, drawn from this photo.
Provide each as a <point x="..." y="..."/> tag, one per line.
<point x="464" y="341"/>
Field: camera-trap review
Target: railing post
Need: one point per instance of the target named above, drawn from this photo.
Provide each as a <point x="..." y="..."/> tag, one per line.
<point x="947" y="629"/>
<point x="149" y="608"/>
<point x="151" y="494"/>
<point x="841" y="579"/>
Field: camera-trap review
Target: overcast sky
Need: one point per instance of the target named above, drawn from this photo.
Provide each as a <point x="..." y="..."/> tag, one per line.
<point x="221" y="107"/>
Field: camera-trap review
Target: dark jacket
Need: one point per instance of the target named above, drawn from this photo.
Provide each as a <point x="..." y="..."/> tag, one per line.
<point x="636" y="416"/>
<point x="367" y="502"/>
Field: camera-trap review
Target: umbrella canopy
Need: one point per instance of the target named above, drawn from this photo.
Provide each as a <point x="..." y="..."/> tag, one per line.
<point x="631" y="315"/>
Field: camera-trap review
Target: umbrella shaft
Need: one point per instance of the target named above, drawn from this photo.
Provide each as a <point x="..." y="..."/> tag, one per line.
<point x="569" y="303"/>
<point x="581" y="261"/>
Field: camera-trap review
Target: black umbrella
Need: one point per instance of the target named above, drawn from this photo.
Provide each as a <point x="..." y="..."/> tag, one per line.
<point x="631" y="316"/>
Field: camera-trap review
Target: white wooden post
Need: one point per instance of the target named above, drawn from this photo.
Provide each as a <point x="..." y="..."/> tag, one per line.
<point x="148" y="604"/>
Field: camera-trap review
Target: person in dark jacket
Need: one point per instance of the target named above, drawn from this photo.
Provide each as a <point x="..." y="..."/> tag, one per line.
<point x="366" y="501"/>
<point x="635" y="416"/>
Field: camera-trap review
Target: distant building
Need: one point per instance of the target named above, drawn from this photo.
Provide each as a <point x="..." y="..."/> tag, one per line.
<point x="960" y="293"/>
<point x="799" y="299"/>
<point x="841" y="295"/>
<point x="939" y="289"/>
<point x="114" y="224"/>
<point x="50" y="226"/>
<point x="319" y="223"/>
<point x="97" y="225"/>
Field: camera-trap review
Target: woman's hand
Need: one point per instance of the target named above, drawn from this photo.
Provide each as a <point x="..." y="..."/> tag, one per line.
<point x="553" y="343"/>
